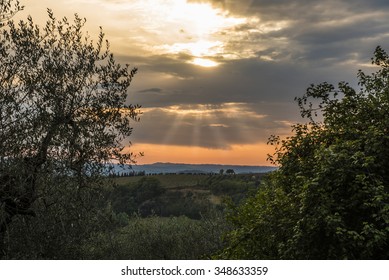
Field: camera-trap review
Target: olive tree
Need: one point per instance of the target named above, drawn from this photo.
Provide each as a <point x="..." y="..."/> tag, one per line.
<point x="63" y="112"/>
<point x="329" y="198"/>
<point x="8" y="9"/>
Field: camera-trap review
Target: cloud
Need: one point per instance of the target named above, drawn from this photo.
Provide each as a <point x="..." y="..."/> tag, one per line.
<point x="267" y="52"/>
<point x="152" y="90"/>
<point x="266" y="61"/>
<point x="309" y="31"/>
<point x="246" y="80"/>
<point x="208" y="125"/>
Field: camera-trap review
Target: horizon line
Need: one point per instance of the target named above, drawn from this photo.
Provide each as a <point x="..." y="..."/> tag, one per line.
<point x="222" y="164"/>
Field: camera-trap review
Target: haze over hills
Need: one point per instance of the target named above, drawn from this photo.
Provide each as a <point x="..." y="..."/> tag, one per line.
<point x="167" y="167"/>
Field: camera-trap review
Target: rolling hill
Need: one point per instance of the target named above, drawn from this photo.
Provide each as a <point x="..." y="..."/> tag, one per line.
<point x="161" y="167"/>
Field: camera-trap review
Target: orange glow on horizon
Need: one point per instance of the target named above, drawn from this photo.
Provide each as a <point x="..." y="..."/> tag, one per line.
<point x="249" y="154"/>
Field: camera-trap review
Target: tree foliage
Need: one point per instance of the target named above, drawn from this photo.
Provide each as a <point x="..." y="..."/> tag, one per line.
<point x="158" y="238"/>
<point x="63" y="113"/>
<point x="8" y="9"/>
<point x="329" y="197"/>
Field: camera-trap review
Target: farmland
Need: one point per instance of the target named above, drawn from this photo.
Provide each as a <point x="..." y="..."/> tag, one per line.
<point x="179" y="194"/>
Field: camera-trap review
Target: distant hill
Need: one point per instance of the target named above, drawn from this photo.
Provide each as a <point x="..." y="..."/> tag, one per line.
<point x="161" y="167"/>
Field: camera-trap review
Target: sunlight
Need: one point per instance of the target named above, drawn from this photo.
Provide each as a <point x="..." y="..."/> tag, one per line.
<point x="199" y="48"/>
<point x="209" y="110"/>
<point x="201" y="19"/>
<point x="181" y="27"/>
<point x="207" y="120"/>
<point x="178" y="122"/>
<point x="194" y="110"/>
<point x="204" y="62"/>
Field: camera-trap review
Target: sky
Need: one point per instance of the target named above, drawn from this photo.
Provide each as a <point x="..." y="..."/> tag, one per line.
<point x="217" y="78"/>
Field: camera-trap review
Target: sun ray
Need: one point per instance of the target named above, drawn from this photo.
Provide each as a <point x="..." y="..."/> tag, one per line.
<point x="173" y="129"/>
<point x="216" y="128"/>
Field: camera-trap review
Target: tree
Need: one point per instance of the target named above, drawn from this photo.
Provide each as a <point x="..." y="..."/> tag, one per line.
<point x="329" y="197"/>
<point x="63" y="113"/>
<point x="230" y="171"/>
<point x="8" y="9"/>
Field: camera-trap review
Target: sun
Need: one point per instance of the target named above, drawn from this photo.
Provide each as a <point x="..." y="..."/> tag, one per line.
<point x="203" y="62"/>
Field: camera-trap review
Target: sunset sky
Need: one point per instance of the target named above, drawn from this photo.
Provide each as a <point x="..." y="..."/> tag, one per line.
<point x="217" y="78"/>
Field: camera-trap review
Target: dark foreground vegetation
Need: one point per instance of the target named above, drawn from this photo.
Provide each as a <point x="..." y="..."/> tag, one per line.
<point x="329" y="199"/>
<point x="64" y="117"/>
<point x="133" y="218"/>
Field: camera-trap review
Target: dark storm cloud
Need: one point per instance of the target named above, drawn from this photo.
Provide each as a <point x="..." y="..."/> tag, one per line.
<point x="275" y="9"/>
<point x="357" y="26"/>
<point x="245" y="80"/>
